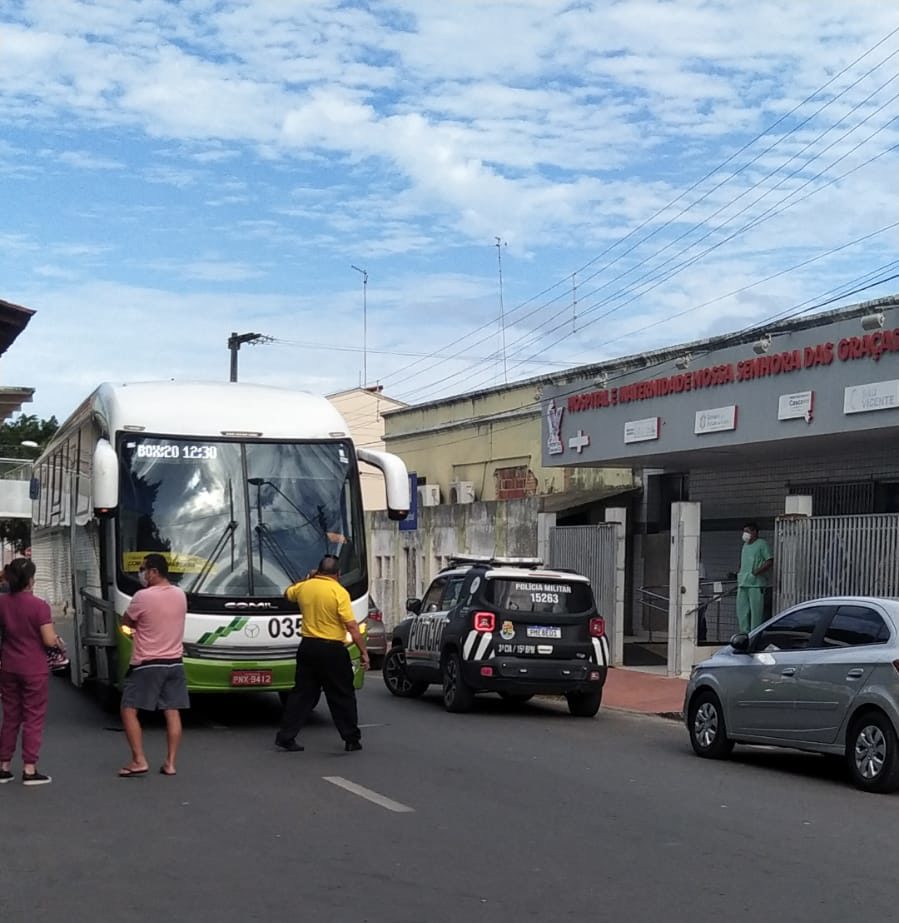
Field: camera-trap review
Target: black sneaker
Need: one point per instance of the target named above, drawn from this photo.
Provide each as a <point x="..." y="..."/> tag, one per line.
<point x="35" y="778"/>
<point x="291" y="746"/>
<point x="352" y="745"/>
<point x="6" y="776"/>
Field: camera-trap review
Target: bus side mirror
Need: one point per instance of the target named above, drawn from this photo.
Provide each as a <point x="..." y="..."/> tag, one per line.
<point x="105" y="479"/>
<point x="34" y="489"/>
<point x="396" y="480"/>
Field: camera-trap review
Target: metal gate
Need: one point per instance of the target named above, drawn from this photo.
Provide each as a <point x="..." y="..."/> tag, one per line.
<point x="835" y="555"/>
<point x="589" y="550"/>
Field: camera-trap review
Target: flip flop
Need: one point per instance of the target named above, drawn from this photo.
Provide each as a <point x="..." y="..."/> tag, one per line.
<point x="164" y="772"/>
<point x="126" y="773"/>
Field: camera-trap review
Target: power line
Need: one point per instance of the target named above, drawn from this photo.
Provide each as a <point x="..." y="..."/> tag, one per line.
<point x="533" y="333"/>
<point x="692" y="187"/>
<point x="759" y="326"/>
<point x="653" y="277"/>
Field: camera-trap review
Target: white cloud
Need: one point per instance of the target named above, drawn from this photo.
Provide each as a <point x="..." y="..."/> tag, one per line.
<point x="206" y="164"/>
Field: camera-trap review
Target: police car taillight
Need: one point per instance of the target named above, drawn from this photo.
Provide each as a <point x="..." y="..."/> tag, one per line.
<point x="597" y="627"/>
<point x="484" y="621"/>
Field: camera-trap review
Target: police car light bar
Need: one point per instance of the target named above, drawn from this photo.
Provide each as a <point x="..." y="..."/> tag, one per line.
<point x="457" y="559"/>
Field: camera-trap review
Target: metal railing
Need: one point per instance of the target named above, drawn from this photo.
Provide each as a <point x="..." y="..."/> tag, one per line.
<point x="834" y="556"/>
<point x="715" y="619"/>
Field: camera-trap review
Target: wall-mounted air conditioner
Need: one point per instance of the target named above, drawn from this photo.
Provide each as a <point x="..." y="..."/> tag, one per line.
<point x="429" y="495"/>
<point x="462" y="492"/>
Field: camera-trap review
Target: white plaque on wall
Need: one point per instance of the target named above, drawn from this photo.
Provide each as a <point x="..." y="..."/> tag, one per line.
<point x="715" y="420"/>
<point x="879" y="395"/>
<point x="796" y="406"/>
<point x="641" y="430"/>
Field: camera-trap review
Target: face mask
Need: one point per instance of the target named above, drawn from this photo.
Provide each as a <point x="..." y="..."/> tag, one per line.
<point x="747" y="536"/>
<point x="142" y="577"/>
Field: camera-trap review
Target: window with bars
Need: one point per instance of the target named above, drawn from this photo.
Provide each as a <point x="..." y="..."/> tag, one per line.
<point x="840" y="498"/>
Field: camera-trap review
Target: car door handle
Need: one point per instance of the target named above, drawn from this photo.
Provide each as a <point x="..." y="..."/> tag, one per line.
<point x="855" y="674"/>
<point x="788" y="671"/>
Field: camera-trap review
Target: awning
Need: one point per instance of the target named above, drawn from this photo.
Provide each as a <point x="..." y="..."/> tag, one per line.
<point x="11" y="400"/>
<point x="13" y="320"/>
<point x="568" y="501"/>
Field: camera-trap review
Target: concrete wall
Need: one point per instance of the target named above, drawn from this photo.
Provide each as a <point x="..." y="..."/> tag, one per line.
<point x="403" y="563"/>
<point x="363" y="411"/>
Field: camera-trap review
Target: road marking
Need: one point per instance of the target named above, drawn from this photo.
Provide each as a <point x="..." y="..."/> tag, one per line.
<point x="363" y="792"/>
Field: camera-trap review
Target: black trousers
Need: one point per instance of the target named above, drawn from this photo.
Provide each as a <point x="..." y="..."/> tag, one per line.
<point x="322" y="666"/>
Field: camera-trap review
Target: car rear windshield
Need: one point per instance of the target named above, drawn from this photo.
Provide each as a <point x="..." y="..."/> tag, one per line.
<point x="538" y="595"/>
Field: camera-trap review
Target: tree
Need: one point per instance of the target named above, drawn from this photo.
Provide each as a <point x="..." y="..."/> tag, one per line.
<point x="26" y="428"/>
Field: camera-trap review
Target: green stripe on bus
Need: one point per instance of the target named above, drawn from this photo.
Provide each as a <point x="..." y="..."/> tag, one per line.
<point x="210" y="637"/>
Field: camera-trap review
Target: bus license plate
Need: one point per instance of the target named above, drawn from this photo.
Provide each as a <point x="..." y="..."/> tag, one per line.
<point x="544" y="631"/>
<point x="251" y="677"/>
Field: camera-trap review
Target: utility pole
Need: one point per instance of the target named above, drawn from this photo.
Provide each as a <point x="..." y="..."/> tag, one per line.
<point x="364" y="324"/>
<point x="500" y="243"/>
<point x="234" y="343"/>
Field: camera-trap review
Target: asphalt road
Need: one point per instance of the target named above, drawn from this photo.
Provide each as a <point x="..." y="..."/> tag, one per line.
<point x="500" y="815"/>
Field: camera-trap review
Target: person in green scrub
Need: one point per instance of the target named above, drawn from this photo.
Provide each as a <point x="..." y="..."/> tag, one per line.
<point x="756" y="562"/>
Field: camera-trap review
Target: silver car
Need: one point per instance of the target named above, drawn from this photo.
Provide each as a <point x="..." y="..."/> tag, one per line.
<point x="821" y="676"/>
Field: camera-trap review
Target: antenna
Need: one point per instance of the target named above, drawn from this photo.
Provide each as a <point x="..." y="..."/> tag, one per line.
<point x="500" y="243"/>
<point x="364" y="323"/>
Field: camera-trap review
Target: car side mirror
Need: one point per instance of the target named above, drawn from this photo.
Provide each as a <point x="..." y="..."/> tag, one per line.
<point x="740" y="642"/>
<point x="413" y="605"/>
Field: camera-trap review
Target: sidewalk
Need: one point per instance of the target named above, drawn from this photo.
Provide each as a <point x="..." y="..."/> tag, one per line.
<point x="642" y="691"/>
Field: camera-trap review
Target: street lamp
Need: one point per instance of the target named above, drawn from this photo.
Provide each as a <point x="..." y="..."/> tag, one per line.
<point x="364" y="323"/>
<point x="234" y="343"/>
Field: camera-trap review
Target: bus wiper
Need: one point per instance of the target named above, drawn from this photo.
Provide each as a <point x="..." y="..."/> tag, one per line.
<point x="206" y="570"/>
<point x="258" y="482"/>
<point x="277" y="552"/>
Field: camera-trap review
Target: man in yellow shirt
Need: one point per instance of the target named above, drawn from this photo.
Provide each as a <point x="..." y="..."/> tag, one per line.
<point x="323" y="662"/>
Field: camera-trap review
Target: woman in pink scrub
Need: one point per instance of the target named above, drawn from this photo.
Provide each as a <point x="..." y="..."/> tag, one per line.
<point x="27" y="631"/>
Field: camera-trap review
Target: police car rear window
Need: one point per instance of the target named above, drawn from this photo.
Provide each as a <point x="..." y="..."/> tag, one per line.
<point x="538" y="595"/>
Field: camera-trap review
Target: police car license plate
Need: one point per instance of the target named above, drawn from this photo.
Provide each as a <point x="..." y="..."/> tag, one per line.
<point x="251" y="677"/>
<point x="544" y="631"/>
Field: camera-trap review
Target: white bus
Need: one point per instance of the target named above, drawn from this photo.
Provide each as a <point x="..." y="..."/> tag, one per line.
<point x="241" y="487"/>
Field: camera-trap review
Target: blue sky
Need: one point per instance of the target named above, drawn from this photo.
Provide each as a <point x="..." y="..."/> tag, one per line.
<point x="656" y="170"/>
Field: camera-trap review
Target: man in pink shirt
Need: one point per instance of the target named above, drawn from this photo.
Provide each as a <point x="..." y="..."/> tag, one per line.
<point x="155" y="680"/>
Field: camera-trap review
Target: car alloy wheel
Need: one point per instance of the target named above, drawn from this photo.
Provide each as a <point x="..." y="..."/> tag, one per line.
<point x="705" y="724"/>
<point x="708" y="730"/>
<point x="395" y="677"/>
<point x="870" y="752"/>
<point x="457" y="696"/>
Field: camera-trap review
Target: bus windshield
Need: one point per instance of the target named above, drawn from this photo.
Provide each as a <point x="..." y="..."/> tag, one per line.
<point x="238" y="518"/>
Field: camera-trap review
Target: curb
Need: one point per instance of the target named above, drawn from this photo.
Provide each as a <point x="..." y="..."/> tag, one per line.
<point x="667" y="715"/>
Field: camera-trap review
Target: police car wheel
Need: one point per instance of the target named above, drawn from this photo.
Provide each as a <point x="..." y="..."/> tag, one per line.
<point x="457" y="696"/>
<point x="584" y="704"/>
<point x="395" y="677"/>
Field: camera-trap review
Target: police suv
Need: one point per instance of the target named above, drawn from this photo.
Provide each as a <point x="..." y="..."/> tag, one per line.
<point x="503" y="625"/>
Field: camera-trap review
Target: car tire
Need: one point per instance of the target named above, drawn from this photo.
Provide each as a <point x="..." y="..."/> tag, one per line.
<point x="584" y="704"/>
<point x="396" y="679"/>
<point x="376" y="661"/>
<point x="872" y="753"/>
<point x="708" y="731"/>
<point x="458" y="696"/>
